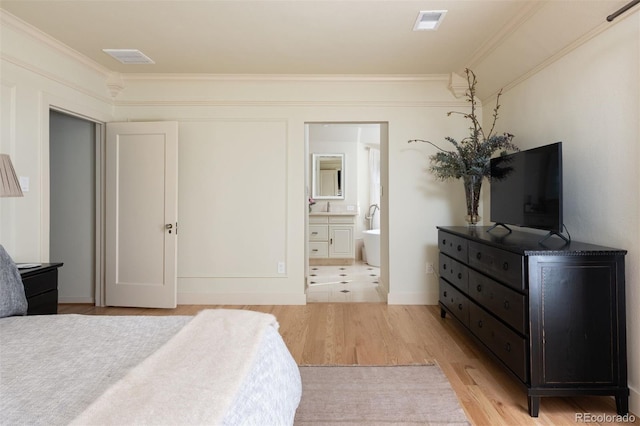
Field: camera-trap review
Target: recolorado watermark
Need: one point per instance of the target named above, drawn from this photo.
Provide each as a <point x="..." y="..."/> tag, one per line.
<point x="604" y="418"/>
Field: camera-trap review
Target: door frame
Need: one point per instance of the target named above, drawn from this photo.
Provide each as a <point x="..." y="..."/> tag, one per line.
<point x="100" y="119"/>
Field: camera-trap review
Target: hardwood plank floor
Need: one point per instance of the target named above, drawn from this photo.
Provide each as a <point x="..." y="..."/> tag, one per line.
<point x="380" y="334"/>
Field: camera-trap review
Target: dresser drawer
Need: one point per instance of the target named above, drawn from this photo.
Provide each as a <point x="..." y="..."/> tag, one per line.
<point x="40" y="283"/>
<point x="503" y="265"/>
<point x="456" y="302"/>
<point x="508" y="305"/>
<point x="319" y="249"/>
<point x="503" y="342"/>
<point x="318" y="233"/>
<point x="43" y="304"/>
<point x="454" y="272"/>
<point x="453" y="246"/>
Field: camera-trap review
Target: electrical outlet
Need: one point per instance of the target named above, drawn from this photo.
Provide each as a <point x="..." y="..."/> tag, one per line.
<point x="281" y="268"/>
<point x="429" y="268"/>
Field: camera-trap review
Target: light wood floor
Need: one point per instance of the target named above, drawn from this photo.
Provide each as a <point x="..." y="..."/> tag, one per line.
<point x="378" y="334"/>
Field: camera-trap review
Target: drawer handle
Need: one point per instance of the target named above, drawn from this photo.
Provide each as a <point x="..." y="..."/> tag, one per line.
<point x="505" y="266"/>
<point x="460" y="306"/>
<point x="459" y="275"/>
<point x="479" y="288"/>
<point x="444" y="266"/>
<point x="459" y="247"/>
<point x="444" y="241"/>
<point x="479" y="256"/>
<point x="445" y="293"/>
<point x="479" y="323"/>
<point x="507" y="347"/>
<point x="314" y="250"/>
<point x="314" y="233"/>
<point x="506" y="304"/>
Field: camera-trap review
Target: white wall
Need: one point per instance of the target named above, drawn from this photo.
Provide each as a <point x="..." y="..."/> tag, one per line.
<point x="590" y="100"/>
<point x="404" y="103"/>
<point x="36" y="76"/>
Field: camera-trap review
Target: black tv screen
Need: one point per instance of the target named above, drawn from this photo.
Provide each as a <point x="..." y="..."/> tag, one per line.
<point x="526" y="188"/>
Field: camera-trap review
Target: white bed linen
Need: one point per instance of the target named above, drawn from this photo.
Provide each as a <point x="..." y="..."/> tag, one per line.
<point x="53" y="367"/>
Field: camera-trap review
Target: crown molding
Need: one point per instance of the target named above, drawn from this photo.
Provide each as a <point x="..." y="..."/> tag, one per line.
<point x="525" y="13"/>
<point x="458" y="85"/>
<point x="12" y="21"/>
<point x="300" y="103"/>
<point x="53" y="77"/>
<point x="351" y="78"/>
<point x="557" y="56"/>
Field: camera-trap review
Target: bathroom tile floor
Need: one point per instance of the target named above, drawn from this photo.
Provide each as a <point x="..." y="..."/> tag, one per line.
<point x="344" y="283"/>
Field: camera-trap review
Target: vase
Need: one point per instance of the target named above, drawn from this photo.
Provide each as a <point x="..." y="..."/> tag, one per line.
<point x="472" y="186"/>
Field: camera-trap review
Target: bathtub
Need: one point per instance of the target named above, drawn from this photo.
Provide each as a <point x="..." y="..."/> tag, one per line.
<point x="371" y="240"/>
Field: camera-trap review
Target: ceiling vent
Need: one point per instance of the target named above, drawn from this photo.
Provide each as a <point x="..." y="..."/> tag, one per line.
<point x="129" y="56"/>
<point x="429" y="20"/>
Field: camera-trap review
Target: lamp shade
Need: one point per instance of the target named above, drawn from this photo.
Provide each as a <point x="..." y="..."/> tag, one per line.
<point x="9" y="184"/>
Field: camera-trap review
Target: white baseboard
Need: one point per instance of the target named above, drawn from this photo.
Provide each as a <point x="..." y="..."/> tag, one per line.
<point x="76" y="300"/>
<point x="241" y="299"/>
<point x="634" y="402"/>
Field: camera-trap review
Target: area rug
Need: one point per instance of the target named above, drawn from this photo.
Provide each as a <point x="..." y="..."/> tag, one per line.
<point x="383" y="395"/>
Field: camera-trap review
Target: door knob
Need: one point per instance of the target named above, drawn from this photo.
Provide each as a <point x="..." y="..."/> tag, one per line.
<point x="169" y="227"/>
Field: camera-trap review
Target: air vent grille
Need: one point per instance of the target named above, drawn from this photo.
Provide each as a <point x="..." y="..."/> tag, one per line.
<point x="429" y="20"/>
<point x="129" y="56"/>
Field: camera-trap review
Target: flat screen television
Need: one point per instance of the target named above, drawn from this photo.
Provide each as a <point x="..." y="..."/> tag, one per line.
<point x="526" y="188"/>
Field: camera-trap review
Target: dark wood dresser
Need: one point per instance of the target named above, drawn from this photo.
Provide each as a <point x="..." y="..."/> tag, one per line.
<point x="41" y="288"/>
<point x="552" y="313"/>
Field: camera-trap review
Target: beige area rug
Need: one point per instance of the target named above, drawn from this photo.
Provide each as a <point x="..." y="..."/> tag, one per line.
<point x="385" y="395"/>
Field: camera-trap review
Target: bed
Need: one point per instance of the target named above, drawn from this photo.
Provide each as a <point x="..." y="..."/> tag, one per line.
<point x="221" y="366"/>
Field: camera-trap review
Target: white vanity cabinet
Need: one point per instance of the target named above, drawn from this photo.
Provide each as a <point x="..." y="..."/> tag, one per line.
<point x="331" y="236"/>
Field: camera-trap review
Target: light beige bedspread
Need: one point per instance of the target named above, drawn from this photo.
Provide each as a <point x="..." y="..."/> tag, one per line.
<point x="221" y="367"/>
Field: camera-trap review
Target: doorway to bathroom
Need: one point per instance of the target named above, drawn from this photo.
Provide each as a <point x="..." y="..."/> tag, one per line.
<point x="347" y="223"/>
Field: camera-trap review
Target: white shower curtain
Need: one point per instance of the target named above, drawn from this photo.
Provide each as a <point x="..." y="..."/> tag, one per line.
<point x="374" y="184"/>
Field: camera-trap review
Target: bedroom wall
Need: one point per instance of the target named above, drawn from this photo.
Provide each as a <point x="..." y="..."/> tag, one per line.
<point x="590" y="100"/>
<point x="413" y="107"/>
<point x="37" y="74"/>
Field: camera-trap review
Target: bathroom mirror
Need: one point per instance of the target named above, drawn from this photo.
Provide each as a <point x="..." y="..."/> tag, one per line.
<point x="328" y="176"/>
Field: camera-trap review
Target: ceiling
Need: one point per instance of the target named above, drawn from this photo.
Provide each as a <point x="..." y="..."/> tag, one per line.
<point x="317" y="37"/>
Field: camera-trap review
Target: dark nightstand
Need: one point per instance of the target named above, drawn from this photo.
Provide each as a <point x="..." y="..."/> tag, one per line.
<point x="41" y="288"/>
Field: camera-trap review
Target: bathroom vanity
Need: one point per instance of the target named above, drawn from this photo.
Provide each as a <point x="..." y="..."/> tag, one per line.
<point x="331" y="238"/>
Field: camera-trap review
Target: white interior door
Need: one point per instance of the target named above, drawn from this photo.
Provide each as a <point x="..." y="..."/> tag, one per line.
<point x="141" y="214"/>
